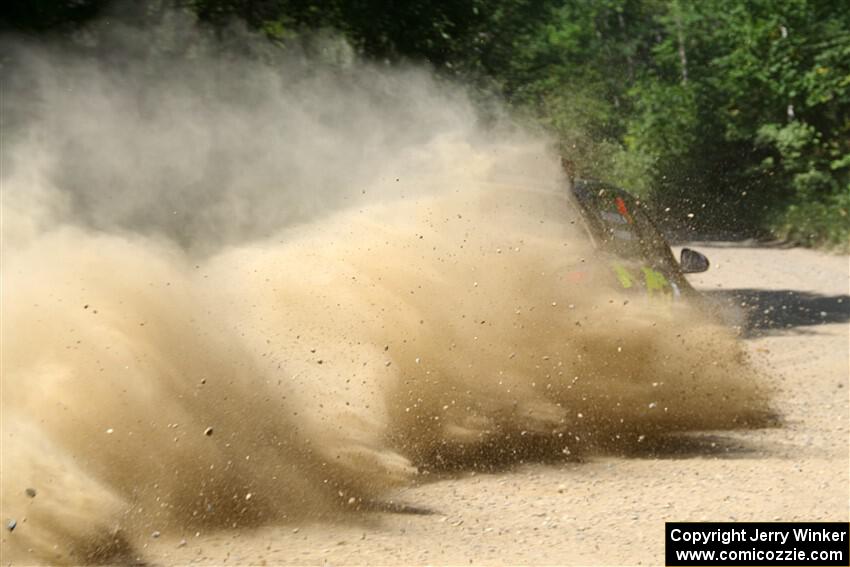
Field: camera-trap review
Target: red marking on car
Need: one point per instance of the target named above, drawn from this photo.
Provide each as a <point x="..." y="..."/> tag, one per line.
<point x="621" y="206"/>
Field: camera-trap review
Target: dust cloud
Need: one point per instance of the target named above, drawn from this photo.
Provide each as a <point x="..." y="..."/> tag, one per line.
<point x="241" y="289"/>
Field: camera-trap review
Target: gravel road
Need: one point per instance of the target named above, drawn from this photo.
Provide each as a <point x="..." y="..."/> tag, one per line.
<point x="612" y="510"/>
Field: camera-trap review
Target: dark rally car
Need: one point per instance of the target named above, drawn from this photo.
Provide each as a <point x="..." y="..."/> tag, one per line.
<point x="640" y="256"/>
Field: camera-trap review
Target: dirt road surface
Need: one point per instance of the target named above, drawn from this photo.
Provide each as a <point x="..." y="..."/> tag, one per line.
<point x="612" y="510"/>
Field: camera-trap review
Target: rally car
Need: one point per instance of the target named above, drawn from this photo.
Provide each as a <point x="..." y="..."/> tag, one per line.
<point x="641" y="259"/>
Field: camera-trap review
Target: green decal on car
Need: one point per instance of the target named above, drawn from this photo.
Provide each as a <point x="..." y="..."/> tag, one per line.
<point x="655" y="281"/>
<point x="623" y="275"/>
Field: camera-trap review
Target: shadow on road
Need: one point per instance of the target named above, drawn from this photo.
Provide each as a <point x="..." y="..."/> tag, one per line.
<point x="768" y="311"/>
<point x="692" y="445"/>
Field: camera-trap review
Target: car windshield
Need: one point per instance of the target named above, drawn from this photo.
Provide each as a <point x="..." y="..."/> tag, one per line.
<point x="621" y="227"/>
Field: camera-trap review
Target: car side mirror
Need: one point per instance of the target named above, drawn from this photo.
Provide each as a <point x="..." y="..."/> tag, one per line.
<point x="693" y="262"/>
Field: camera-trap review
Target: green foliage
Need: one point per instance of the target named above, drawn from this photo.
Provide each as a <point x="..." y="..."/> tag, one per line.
<point x="757" y="129"/>
<point x="736" y="110"/>
<point x="44" y="15"/>
<point x="666" y="120"/>
<point x="821" y="222"/>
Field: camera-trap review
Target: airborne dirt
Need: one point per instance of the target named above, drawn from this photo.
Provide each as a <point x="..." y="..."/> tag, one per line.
<point x="299" y="378"/>
<point x="331" y="312"/>
<point x="612" y="510"/>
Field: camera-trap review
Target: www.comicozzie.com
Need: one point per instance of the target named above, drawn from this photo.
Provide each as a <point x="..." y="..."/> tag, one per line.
<point x="752" y="543"/>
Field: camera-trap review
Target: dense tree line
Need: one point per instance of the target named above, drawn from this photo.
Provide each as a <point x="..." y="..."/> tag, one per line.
<point x="737" y="111"/>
